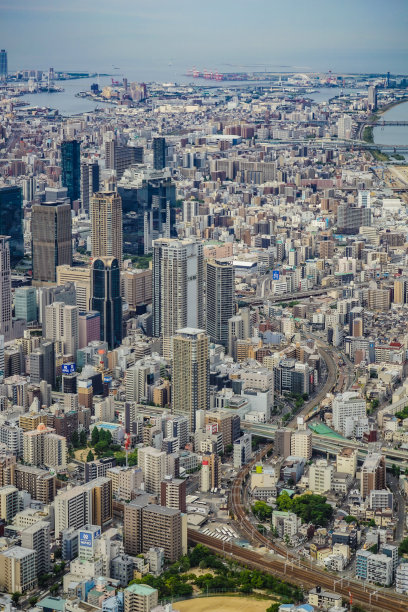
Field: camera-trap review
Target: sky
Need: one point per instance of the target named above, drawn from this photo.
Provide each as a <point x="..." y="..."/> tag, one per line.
<point x="160" y="37"/>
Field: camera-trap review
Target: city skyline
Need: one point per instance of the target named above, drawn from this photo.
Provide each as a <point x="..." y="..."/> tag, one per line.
<point x="164" y="39"/>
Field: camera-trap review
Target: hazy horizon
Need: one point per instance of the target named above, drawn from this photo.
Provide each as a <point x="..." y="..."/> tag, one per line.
<point x="163" y="38"/>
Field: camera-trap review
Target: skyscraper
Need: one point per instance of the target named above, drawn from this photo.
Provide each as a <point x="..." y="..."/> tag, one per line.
<point x="190" y="373"/>
<point x="11" y="220"/>
<point x="6" y="325"/>
<point x="51" y="228"/>
<point x="177" y="288"/>
<point x="106" y="298"/>
<point x="159" y="153"/>
<point x="220" y="300"/>
<point x="148" y="202"/>
<point x="3" y="65"/>
<point x="106" y="225"/>
<point x="89" y="181"/>
<point x="61" y="324"/>
<point x="25" y="303"/>
<point x="372" y="97"/>
<point x="71" y="167"/>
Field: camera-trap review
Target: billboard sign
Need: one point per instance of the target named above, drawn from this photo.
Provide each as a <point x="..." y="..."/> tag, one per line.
<point x="85" y="538"/>
<point x="275" y="275"/>
<point x="68" y="368"/>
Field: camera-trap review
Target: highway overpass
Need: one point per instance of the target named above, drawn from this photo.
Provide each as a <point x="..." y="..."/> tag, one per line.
<point x="328" y="444"/>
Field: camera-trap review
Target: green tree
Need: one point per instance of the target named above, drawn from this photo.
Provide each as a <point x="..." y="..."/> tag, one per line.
<point x="82" y="438"/>
<point x="15" y="597"/>
<point x="284" y="502"/>
<point x="32" y="601"/>
<point x="95" y="436"/>
<point x="262" y="510"/>
<point x="403" y="547"/>
<point x="90" y="457"/>
<point x="75" y="439"/>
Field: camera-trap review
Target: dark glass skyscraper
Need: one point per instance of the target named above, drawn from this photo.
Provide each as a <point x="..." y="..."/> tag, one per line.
<point x="3" y="65"/>
<point x="148" y="205"/>
<point x="106" y="299"/>
<point x="11" y="220"/>
<point x="159" y="153"/>
<point x="71" y="168"/>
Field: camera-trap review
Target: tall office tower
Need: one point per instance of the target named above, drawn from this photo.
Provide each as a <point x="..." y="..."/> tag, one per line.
<point x="173" y="493"/>
<point x="190" y="373"/>
<point x="37" y="537"/>
<point x="1" y="358"/>
<point x="48" y="295"/>
<point x="8" y="502"/>
<point x="89" y="327"/>
<point x="120" y="157"/>
<point x="373" y="474"/>
<point x="177" y="288"/>
<point x="163" y="527"/>
<point x="71" y="168"/>
<point x="140" y="598"/>
<point x="61" y="324"/>
<point x="153" y="464"/>
<point x="6" y="322"/>
<point x="89" y="181"/>
<point x="3" y="65"/>
<point x="159" y="153"/>
<point x="106" y="225"/>
<point x="42" y="363"/>
<point x="219" y="299"/>
<point x="51" y="229"/>
<point x="25" y="303"/>
<point x="106" y="299"/>
<point x="148" y="202"/>
<point x="11" y="220"/>
<point x="372" y="97"/>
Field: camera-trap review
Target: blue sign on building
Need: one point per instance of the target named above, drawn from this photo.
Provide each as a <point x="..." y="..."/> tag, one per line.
<point x="85" y="538"/>
<point x="68" y="368"/>
<point x="275" y="275"/>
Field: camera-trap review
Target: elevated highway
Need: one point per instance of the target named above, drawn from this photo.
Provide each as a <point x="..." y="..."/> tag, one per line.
<point x="332" y="445"/>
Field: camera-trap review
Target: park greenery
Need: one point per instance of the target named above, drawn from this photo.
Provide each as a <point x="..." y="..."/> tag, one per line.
<point x="79" y="440"/>
<point x="225" y="576"/>
<point x="402" y="414"/>
<point x="139" y="261"/>
<point x="310" y="508"/>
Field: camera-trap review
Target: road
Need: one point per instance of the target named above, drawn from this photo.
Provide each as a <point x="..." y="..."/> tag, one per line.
<point x="286" y="564"/>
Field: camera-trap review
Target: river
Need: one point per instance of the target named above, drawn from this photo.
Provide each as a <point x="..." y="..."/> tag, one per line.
<point x="393" y="134"/>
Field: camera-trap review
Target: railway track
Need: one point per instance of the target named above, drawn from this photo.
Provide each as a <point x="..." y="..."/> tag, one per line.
<point x="288" y="565"/>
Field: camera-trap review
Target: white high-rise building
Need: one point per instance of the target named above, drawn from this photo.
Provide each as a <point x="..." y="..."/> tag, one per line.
<point x="1" y="359"/>
<point x="345" y="405"/>
<point x="55" y="451"/>
<point x="177" y="288"/>
<point x="344" y="125"/>
<point x="138" y="378"/>
<point x="6" y="324"/>
<point x="61" y="324"/>
<point x="153" y="464"/>
<point x="320" y="476"/>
